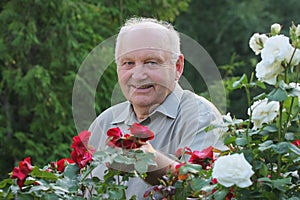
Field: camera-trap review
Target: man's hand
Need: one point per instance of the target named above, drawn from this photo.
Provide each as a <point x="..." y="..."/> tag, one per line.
<point x="164" y="164"/>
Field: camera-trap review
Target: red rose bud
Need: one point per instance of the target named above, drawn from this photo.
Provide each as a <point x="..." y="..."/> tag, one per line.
<point x="62" y="163"/>
<point x="22" y="171"/>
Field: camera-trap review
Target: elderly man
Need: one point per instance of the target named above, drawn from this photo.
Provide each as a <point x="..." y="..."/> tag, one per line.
<point x="149" y="65"/>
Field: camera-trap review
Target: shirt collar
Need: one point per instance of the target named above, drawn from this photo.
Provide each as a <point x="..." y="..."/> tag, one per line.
<point x="169" y="108"/>
<point x="171" y="105"/>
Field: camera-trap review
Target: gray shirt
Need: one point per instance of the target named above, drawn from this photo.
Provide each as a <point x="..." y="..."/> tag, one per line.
<point x="179" y="122"/>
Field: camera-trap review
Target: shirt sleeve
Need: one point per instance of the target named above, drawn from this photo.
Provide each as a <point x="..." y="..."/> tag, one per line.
<point x="197" y="117"/>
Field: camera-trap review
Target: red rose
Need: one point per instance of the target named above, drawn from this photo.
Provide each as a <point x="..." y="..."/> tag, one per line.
<point x="139" y="135"/>
<point x="81" y="153"/>
<point x="141" y="132"/>
<point x="62" y="163"/>
<point x="80" y="142"/>
<point x="22" y="171"/>
<point x="113" y="135"/>
<point x="114" y="132"/>
<point x="203" y="158"/>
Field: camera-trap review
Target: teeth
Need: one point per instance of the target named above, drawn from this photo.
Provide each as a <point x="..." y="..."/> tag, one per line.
<point x="144" y="86"/>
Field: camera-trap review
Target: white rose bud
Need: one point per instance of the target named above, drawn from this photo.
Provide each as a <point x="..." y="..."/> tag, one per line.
<point x="256" y="42"/>
<point x="275" y="29"/>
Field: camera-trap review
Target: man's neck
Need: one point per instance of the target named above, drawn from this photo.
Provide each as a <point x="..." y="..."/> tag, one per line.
<point x="142" y="113"/>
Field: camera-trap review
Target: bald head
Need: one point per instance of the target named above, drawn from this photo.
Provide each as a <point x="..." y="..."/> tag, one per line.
<point x="146" y="33"/>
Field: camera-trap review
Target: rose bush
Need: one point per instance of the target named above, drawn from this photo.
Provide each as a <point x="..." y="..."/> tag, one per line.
<point x="262" y="160"/>
<point x="71" y="178"/>
<point x="263" y="156"/>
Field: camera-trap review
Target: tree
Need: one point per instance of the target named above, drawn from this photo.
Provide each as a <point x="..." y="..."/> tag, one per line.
<point x="223" y="28"/>
<point x="42" y="44"/>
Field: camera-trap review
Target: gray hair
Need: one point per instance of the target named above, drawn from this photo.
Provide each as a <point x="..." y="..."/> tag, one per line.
<point x="136" y="21"/>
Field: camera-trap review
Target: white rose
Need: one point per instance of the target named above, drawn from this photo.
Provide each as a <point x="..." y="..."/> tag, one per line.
<point x="276" y="48"/>
<point x="267" y="72"/>
<point x="298" y="30"/>
<point x="256" y="42"/>
<point x="263" y="112"/>
<point x="233" y="169"/>
<point x="275" y="28"/>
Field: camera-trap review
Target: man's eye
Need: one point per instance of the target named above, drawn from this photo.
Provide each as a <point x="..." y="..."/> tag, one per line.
<point x="151" y="62"/>
<point x="128" y="64"/>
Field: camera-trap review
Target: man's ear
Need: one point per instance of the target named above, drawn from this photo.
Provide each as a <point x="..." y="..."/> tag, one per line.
<point x="179" y="67"/>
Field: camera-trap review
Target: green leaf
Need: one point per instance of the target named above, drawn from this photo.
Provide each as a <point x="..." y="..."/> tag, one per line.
<point x="242" y="81"/>
<point x="197" y="183"/>
<point x="48" y="196"/>
<point x="270" y="128"/>
<point x="67" y="185"/>
<point x="141" y="167"/>
<point x="5" y="182"/>
<point x="280" y="184"/>
<point x="117" y="193"/>
<point x="229" y="140"/>
<point x="277" y="94"/>
<point x="38" y="173"/>
<point x="124" y="160"/>
<point x="147" y="158"/>
<point x="263" y="170"/>
<point x="261" y="84"/>
<point x="281" y="148"/>
<point x="72" y="171"/>
<point x="190" y="168"/>
<point x="220" y="194"/>
<point x="265" y="181"/>
<point x="266" y="145"/>
<point x="39" y="188"/>
<point x="289" y="136"/>
<point x="241" y="141"/>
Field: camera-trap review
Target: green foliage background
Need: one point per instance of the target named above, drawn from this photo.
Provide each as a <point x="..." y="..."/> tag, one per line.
<point x="44" y="42"/>
<point x="223" y="28"/>
<point x="42" y="45"/>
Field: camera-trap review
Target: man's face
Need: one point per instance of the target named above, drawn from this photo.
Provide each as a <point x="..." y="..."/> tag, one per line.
<point x="146" y="76"/>
<point x="146" y="72"/>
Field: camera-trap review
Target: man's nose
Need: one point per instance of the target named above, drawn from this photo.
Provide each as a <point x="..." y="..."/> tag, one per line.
<point x="139" y="72"/>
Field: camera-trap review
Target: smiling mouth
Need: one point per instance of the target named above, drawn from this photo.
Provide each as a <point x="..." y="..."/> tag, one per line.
<point x="146" y="86"/>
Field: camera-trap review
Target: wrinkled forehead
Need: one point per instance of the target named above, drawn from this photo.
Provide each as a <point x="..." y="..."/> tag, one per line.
<point x="139" y="38"/>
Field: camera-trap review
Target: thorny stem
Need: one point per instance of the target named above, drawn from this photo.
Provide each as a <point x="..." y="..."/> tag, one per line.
<point x="279" y="137"/>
